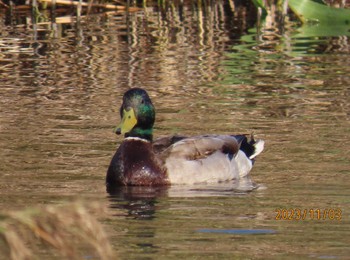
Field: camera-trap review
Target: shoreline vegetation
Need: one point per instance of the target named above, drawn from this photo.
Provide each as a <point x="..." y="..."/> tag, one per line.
<point x="66" y="230"/>
<point x="132" y="6"/>
<point x="67" y="11"/>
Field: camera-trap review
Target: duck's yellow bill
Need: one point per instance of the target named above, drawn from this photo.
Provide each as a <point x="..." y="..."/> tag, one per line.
<point x="128" y="122"/>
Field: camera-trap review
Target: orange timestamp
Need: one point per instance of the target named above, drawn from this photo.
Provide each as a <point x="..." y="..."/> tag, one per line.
<point x="308" y="214"/>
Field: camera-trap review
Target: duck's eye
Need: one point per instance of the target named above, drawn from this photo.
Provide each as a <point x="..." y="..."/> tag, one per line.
<point x="142" y="101"/>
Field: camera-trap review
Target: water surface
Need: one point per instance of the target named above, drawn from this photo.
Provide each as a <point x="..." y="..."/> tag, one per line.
<point x="207" y="71"/>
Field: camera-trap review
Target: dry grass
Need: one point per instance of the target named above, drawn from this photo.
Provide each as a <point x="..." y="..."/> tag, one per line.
<point x="70" y="229"/>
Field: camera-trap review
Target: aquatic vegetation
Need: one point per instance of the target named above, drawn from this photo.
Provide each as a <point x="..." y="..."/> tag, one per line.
<point x="311" y="11"/>
<point x="314" y="11"/>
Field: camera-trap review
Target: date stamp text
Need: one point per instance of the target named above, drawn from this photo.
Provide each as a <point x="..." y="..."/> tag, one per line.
<point x="297" y="214"/>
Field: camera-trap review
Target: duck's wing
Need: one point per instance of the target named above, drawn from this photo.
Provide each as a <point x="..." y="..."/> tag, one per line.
<point x="200" y="147"/>
<point x="163" y="143"/>
<point x="201" y="159"/>
<point x="210" y="158"/>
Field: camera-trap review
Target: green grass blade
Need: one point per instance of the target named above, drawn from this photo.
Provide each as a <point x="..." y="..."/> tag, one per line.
<point x="260" y="4"/>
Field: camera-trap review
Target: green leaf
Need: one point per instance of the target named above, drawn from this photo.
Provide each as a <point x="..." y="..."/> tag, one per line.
<point x="322" y="30"/>
<point x="314" y="11"/>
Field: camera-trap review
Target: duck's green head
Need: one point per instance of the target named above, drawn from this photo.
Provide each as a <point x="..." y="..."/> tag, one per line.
<point x="137" y="113"/>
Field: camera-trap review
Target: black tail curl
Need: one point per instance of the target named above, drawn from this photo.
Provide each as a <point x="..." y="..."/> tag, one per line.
<point x="247" y="146"/>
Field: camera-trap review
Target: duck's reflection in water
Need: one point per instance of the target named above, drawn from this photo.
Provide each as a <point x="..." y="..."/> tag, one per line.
<point x="140" y="202"/>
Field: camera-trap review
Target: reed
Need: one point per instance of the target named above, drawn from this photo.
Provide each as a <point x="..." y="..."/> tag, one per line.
<point x="26" y="233"/>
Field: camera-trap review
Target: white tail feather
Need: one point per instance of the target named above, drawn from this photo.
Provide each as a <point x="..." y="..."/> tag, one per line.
<point x="259" y="147"/>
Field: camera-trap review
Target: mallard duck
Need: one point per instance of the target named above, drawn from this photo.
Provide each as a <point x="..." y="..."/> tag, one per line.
<point x="140" y="161"/>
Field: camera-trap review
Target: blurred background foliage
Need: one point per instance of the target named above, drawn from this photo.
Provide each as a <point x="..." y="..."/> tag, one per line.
<point x="332" y="15"/>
